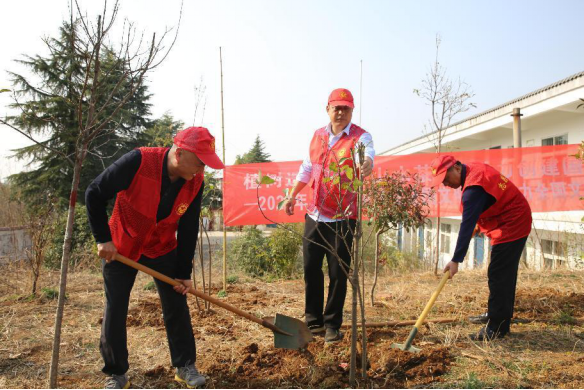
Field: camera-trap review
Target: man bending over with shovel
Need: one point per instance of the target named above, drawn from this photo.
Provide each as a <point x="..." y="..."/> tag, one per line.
<point x="495" y="205"/>
<point x="155" y="221"/>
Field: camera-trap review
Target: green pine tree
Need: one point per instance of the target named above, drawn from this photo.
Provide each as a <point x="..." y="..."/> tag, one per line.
<point x="49" y="110"/>
<point x="256" y="154"/>
<point x="161" y="132"/>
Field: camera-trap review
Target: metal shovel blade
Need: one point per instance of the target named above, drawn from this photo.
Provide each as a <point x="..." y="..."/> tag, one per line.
<point x="299" y="337"/>
<point x="403" y="347"/>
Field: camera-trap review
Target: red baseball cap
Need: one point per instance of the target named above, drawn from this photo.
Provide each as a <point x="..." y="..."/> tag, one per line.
<point x="439" y="167"/>
<point x="341" y="97"/>
<point x="199" y="141"/>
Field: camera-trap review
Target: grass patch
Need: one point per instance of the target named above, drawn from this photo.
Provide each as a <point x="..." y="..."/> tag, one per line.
<point x="232" y="279"/>
<point x="473" y="382"/>
<point x="222" y="294"/>
<point x="565" y="317"/>
<point x="150" y="286"/>
<point x="50" y="293"/>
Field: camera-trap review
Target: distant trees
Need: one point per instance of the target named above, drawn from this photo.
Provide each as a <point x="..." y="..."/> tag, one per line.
<point x="447" y="98"/>
<point x="256" y="154"/>
<point x="52" y="110"/>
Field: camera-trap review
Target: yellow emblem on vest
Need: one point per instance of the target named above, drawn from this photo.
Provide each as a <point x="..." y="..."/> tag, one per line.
<point x="182" y="208"/>
<point x="434" y="171"/>
<point x="341" y="152"/>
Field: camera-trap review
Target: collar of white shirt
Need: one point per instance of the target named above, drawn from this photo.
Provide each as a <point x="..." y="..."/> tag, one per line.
<point x="346" y="130"/>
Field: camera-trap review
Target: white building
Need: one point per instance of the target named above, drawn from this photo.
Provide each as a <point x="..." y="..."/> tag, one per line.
<point x="550" y="117"/>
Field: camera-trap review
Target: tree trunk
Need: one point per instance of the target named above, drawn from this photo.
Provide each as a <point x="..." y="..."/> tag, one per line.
<point x="354" y="289"/>
<point x="377" y="235"/>
<point x="53" y="371"/>
<point x="437" y="260"/>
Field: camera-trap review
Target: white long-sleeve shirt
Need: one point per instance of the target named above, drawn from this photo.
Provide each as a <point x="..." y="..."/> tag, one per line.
<point x="306" y="167"/>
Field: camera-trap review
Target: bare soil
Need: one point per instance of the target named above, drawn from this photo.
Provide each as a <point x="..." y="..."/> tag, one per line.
<point x="544" y="350"/>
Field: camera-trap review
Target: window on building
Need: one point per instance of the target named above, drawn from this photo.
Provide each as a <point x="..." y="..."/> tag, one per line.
<point x="553" y="252"/>
<point x="559" y="140"/>
<point x="445" y="229"/>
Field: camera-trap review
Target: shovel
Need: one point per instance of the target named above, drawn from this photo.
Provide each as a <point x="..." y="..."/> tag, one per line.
<point x="289" y="333"/>
<point x="408" y="344"/>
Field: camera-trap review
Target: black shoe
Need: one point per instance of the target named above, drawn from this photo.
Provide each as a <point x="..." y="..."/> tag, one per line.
<point x="316" y="329"/>
<point x="332" y="335"/>
<point x="487" y="334"/>
<point x="480" y="319"/>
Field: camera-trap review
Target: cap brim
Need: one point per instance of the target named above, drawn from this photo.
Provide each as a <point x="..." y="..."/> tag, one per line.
<point x="438" y="179"/>
<point x="341" y="103"/>
<point x="211" y="160"/>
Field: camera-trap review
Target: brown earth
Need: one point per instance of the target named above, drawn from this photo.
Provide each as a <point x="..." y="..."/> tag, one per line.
<point x="545" y="350"/>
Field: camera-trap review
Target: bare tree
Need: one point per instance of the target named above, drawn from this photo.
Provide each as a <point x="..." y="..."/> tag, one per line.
<point x="98" y="105"/>
<point x="447" y="98"/>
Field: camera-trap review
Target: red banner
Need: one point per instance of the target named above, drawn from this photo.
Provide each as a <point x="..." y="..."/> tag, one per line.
<point x="549" y="176"/>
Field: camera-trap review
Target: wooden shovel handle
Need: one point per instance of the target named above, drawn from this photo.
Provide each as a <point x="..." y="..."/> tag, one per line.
<point x="226" y="306"/>
<point x="432" y="300"/>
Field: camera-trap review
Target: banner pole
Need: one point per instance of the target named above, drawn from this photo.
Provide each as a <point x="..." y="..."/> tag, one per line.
<point x="223" y="186"/>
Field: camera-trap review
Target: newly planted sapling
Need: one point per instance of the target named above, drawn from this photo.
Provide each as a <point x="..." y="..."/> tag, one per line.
<point x="393" y="201"/>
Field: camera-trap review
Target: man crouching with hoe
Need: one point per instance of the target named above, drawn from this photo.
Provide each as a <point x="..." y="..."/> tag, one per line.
<point x="495" y="205"/>
<point x="155" y="221"/>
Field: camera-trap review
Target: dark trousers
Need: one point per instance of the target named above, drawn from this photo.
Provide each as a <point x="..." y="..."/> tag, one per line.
<point x="339" y="235"/>
<point x="502" y="275"/>
<point x="118" y="281"/>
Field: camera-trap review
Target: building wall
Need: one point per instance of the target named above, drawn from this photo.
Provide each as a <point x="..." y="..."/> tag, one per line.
<point x="14" y="244"/>
<point x="557" y="238"/>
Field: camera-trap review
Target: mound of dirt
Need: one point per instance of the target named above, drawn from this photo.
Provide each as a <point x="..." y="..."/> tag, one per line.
<point x="545" y="303"/>
<point x="396" y="367"/>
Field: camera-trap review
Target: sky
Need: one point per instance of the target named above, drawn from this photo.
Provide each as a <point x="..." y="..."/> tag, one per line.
<point x="281" y="59"/>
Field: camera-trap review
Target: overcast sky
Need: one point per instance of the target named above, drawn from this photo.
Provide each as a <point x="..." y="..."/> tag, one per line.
<point x="281" y="59"/>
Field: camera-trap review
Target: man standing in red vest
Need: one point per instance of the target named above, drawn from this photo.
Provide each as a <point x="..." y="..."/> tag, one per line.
<point x="493" y="204"/>
<point x="155" y="221"/>
<point x="330" y="221"/>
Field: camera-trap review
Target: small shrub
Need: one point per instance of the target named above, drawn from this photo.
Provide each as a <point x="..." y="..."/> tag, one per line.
<point x="250" y="251"/>
<point x="276" y="256"/>
<point x="284" y="249"/>
<point x="49" y="293"/>
<point x="83" y="247"/>
<point x="232" y="279"/>
<point x="222" y="294"/>
<point x="150" y="286"/>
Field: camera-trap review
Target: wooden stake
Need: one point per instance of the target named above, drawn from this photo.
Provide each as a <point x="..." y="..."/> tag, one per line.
<point x="223" y="186"/>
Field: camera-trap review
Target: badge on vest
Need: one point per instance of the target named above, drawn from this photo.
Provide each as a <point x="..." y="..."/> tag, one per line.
<point x="503" y="184"/>
<point x="341" y="152"/>
<point x="182" y="208"/>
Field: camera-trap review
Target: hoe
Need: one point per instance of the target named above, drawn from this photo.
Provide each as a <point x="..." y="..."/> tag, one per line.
<point x="408" y="344"/>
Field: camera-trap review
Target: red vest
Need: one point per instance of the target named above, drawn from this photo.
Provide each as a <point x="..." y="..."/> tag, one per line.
<point x="133" y="225"/>
<point x="509" y="218"/>
<point x="326" y="197"/>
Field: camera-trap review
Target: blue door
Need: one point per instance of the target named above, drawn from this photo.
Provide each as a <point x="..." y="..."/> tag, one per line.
<point x="479" y="250"/>
<point x="421" y="242"/>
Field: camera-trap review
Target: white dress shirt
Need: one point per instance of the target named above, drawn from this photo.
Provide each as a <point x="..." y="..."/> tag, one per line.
<point x="306" y="166"/>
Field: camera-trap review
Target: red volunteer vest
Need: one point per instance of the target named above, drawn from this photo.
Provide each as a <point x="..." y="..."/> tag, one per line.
<point x="326" y="197"/>
<point x="509" y="218"/>
<point x="133" y="225"/>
